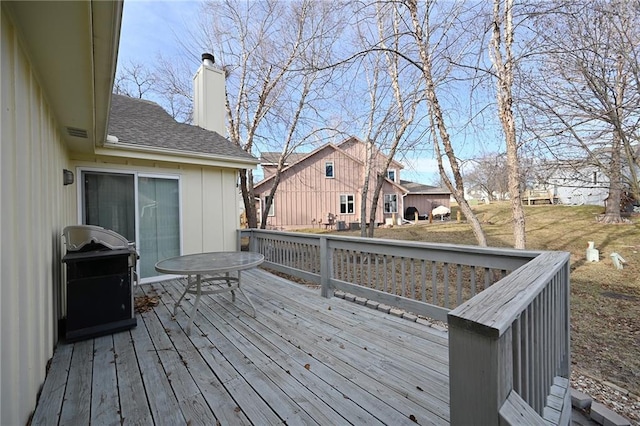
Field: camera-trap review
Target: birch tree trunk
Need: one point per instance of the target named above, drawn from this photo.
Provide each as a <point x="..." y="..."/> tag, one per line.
<point x="503" y="66"/>
<point x="439" y="127"/>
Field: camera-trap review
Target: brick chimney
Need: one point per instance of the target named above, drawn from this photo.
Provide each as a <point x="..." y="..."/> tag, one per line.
<point x="208" y="96"/>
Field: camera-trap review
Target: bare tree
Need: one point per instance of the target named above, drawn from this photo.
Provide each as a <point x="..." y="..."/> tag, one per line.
<point x="259" y="43"/>
<point x="503" y="64"/>
<point x="585" y="89"/>
<point x="488" y="174"/>
<point x="174" y="85"/>
<point x="394" y="96"/>
<point x="298" y="103"/>
<point x="422" y="32"/>
<point x="135" y="80"/>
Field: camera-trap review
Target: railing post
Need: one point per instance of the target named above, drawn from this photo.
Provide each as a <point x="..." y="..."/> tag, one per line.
<point x="480" y="374"/>
<point x="326" y="266"/>
<point x="253" y="241"/>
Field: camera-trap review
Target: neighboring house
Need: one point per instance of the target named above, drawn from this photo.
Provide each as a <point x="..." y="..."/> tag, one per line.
<point x="577" y="183"/>
<point x="325" y="186"/>
<point x="58" y="62"/>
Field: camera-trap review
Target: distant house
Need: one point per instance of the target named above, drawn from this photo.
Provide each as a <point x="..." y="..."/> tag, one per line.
<point x="325" y="186"/>
<point x="577" y="183"/>
<point x="583" y="180"/>
<point x="58" y="62"/>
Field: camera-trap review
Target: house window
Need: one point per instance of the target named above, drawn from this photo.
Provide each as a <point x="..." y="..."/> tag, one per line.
<point x="346" y="204"/>
<point x="328" y="169"/>
<point x="390" y="203"/>
<point x="391" y="174"/>
<point x="143" y="208"/>
<point x="272" y="211"/>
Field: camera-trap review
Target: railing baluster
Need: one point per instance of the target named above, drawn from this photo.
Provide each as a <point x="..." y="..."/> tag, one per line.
<point x="459" y="283"/>
<point x="474" y="273"/>
<point x="538" y="358"/>
<point x="369" y="282"/>
<point x="434" y="282"/>
<point x="487" y="278"/>
<point x="377" y="276"/>
<point x="386" y="277"/>
<point x="403" y="274"/>
<point x="423" y="276"/>
<point x="413" y="279"/>
<point x="393" y="274"/>
<point x="517" y="355"/>
<point x="529" y="355"/>
<point x="446" y="284"/>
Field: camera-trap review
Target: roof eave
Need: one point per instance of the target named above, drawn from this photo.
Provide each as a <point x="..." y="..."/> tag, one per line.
<point x="120" y="149"/>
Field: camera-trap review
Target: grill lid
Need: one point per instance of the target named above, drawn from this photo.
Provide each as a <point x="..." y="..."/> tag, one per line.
<point x="78" y="236"/>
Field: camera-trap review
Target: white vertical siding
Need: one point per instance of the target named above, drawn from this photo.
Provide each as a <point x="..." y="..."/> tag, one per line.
<point x="33" y="212"/>
<point x="209" y="196"/>
<point x="220" y="215"/>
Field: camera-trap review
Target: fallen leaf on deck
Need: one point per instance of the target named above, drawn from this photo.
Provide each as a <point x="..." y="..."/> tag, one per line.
<point x="307" y="366"/>
<point x="145" y="303"/>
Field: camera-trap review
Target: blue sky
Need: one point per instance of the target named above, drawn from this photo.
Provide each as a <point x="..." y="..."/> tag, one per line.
<point x="150" y="28"/>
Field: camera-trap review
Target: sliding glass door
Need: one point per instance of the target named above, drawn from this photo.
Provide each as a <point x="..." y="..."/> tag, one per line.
<point x="109" y="201"/>
<point x="153" y="221"/>
<point x="159" y="222"/>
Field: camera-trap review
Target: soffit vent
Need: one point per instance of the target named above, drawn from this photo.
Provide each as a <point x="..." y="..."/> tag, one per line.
<point x="78" y="133"/>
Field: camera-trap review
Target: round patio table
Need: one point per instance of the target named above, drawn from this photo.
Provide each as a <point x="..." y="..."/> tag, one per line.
<point x="210" y="273"/>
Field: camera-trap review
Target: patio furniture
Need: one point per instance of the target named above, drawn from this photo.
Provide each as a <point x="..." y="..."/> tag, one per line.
<point x="210" y="273"/>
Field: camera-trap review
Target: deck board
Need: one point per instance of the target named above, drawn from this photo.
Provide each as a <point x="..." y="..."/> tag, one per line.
<point x="105" y="406"/>
<point x="303" y="360"/>
<point x="134" y="409"/>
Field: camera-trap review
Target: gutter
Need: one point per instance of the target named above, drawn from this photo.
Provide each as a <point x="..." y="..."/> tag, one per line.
<point x="210" y="159"/>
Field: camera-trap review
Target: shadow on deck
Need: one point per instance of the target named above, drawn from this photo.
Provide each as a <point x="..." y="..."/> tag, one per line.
<point x="303" y="360"/>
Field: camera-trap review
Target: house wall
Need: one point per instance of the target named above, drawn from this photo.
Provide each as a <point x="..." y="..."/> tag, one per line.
<point x="268" y="171"/>
<point x="578" y="187"/>
<point x="420" y="202"/>
<point x="209" y="209"/>
<point x="426" y="202"/>
<point x="35" y="208"/>
<point x="305" y="196"/>
<point x="358" y="149"/>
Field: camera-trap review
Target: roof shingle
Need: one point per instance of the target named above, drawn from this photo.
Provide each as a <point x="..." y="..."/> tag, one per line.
<point x="145" y="123"/>
<point x="418" y="188"/>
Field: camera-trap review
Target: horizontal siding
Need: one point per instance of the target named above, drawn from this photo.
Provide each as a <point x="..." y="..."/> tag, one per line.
<point x="33" y="213"/>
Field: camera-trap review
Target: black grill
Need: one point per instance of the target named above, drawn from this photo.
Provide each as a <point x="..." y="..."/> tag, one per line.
<point x="99" y="287"/>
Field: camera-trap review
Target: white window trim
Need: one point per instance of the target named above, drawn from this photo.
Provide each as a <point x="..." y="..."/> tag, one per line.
<point x="333" y="169"/>
<point x="272" y="210"/>
<point x="395" y="174"/>
<point x="384" y="204"/>
<point x="136" y="174"/>
<point x="353" y="197"/>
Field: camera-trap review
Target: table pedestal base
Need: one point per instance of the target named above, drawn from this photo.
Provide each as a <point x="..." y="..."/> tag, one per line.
<point x="198" y="281"/>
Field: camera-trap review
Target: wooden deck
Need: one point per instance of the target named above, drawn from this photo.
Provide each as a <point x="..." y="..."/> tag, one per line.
<point x="303" y="360"/>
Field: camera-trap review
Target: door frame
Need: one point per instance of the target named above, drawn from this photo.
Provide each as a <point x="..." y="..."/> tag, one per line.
<point x="136" y="174"/>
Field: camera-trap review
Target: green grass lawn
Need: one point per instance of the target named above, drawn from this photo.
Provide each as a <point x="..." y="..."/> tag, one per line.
<point x="605" y="302"/>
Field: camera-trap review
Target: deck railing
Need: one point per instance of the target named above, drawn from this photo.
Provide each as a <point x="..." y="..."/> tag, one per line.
<point x="425" y="279"/>
<point x="508" y="330"/>
<point x="514" y="338"/>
